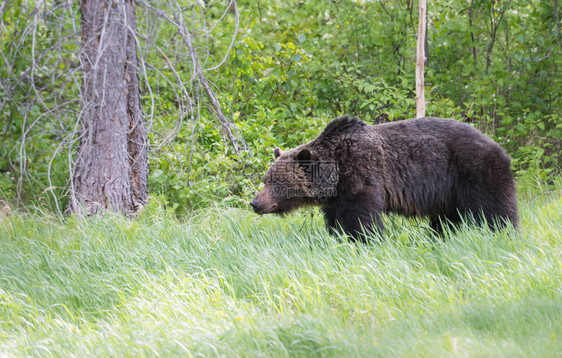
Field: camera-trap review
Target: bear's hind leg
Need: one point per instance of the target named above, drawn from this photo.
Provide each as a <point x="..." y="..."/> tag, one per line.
<point x="487" y="208"/>
<point x="486" y="190"/>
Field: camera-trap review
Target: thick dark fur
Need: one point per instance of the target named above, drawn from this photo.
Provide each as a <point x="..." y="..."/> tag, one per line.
<point x="427" y="167"/>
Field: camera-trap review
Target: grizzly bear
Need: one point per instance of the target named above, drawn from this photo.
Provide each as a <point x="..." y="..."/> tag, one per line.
<point x="438" y="168"/>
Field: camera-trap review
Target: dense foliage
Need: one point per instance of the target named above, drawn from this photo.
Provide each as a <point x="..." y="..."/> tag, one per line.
<point x="294" y="66"/>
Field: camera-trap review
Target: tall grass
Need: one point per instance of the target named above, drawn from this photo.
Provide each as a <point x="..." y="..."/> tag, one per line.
<point x="225" y="282"/>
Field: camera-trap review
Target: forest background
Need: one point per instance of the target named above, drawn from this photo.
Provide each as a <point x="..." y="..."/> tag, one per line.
<point x="280" y="71"/>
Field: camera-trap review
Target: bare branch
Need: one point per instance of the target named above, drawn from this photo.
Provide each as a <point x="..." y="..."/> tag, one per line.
<point x="237" y="19"/>
<point x="43" y="63"/>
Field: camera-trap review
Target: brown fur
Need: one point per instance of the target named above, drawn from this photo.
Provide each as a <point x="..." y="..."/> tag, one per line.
<point x="427" y="167"/>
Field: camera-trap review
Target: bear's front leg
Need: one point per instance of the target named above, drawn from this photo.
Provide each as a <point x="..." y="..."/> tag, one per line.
<point x="359" y="214"/>
<point x="330" y="218"/>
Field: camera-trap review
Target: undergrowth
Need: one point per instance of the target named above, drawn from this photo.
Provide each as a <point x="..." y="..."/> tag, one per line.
<point x="225" y="282"/>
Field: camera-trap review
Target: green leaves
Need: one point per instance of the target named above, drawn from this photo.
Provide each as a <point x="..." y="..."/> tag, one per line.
<point x="294" y="66"/>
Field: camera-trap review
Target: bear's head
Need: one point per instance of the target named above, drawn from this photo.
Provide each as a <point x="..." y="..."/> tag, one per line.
<point x="297" y="178"/>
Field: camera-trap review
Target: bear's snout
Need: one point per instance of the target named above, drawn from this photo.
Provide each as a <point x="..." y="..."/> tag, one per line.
<point x="254" y="203"/>
<point x="263" y="203"/>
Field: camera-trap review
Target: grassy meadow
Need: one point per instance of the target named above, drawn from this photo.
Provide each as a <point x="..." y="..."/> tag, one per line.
<point x="226" y="283"/>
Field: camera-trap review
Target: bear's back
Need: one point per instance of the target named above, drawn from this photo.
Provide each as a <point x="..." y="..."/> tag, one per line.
<point x="424" y="135"/>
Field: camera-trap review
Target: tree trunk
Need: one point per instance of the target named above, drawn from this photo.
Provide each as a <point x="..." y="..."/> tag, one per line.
<point x="111" y="168"/>
<point x="420" y="95"/>
<point x="425" y="42"/>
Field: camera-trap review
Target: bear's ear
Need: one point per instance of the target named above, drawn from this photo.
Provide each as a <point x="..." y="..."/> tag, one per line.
<point x="304" y="156"/>
<point x="277" y="152"/>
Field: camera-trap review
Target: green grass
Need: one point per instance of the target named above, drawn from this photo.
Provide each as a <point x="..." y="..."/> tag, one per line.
<point x="225" y="282"/>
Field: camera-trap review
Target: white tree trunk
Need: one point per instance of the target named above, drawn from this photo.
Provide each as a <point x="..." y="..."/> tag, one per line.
<point x="420" y="95"/>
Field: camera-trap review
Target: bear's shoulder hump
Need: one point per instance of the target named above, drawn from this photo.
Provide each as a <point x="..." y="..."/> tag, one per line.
<point x="342" y="124"/>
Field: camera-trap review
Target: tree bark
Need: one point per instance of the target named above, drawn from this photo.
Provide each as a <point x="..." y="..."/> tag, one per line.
<point x="425" y="42"/>
<point x="420" y="95"/>
<point x="111" y="169"/>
